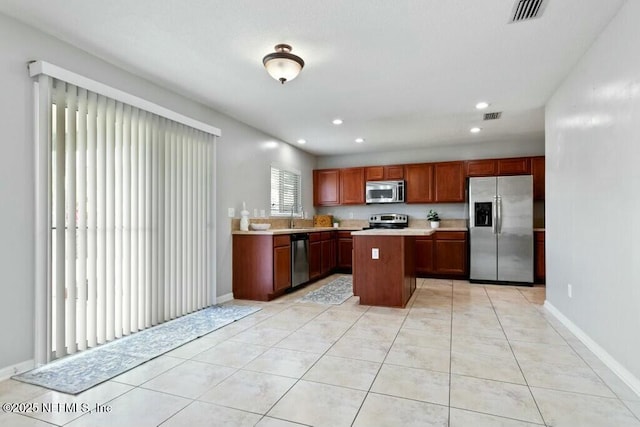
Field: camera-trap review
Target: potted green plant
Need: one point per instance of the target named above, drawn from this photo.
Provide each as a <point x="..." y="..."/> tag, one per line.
<point x="433" y="217"/>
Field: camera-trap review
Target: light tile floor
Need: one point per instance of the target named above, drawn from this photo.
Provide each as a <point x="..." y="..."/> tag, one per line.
<point x="458" y="355"/>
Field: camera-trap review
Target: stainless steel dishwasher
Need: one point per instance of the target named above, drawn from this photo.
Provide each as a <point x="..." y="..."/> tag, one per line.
<point x="299" y="259"/>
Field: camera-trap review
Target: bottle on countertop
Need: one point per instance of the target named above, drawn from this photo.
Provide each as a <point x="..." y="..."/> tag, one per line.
<point x="244" y="218"/>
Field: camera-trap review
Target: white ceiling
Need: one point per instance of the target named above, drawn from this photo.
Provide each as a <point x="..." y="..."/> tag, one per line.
<point x="400" y="73"/>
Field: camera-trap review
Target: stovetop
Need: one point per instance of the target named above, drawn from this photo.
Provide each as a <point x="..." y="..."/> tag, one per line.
<point x="388" y="220"/>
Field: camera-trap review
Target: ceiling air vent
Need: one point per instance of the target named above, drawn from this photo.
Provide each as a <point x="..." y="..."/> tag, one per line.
<point x="524" y="10"/>
<point x="492" y="116"/>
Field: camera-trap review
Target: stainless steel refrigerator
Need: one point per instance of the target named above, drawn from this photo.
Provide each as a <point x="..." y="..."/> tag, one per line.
<point x="501" y="229"/>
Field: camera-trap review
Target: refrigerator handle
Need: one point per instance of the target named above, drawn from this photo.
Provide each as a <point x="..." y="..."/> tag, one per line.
<point x="499" y="214"/>
<point x="494" y="219"/>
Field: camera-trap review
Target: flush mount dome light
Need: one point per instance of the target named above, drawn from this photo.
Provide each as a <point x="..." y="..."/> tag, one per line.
<point x="283" y="65"/>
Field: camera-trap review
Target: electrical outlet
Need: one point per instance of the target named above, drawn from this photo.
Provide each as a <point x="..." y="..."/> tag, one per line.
<point x="350" y="215"/>
<point x="569" y="290"/>
<point x="232" y="212"/>
<point x="255" y="212"/>
<point x="375" y="253"/>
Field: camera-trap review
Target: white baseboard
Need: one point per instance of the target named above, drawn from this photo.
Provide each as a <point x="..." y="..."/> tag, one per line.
<point x="18" y="368"/>
<point x="627" y="377"/>
<point x="224" y="298"/>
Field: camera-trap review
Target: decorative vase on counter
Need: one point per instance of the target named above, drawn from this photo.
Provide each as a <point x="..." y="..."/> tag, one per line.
<point x="244" y="218"/>
<point x="435" y="224"/>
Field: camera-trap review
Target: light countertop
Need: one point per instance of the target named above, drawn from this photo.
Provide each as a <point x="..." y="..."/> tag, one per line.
<point x="411" y="231"/>
<point x="276" y="231"/>
<point x="395" y="232"/>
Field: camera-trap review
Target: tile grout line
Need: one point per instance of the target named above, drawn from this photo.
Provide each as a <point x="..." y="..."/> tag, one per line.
<point x="514" y="355"/>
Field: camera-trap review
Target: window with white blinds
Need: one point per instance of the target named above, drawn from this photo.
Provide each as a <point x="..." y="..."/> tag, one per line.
<point x="285" y="192"/>
<point x="130" y="212"/>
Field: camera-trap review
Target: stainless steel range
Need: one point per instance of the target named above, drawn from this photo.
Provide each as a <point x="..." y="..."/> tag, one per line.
<point x="388" y="220"/>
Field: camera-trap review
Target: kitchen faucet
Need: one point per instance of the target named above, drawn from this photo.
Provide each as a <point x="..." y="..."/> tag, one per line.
<point x="292" y="220"/>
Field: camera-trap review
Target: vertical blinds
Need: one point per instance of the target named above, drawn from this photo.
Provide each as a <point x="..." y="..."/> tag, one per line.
<point x="131" y="204"/>
<point x="285" y="191"/>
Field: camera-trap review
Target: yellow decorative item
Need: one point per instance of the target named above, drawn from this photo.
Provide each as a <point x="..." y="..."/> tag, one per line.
<point x="322" y="220"/>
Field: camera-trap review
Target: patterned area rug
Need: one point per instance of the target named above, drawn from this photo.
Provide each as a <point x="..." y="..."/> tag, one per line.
<point x="79" y="372"/>
<point x="335" y="292"/>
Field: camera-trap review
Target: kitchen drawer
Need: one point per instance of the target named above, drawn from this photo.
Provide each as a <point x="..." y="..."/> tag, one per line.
<point x="344" y="235"/>
<point x="281" y="240"/>
<point x="450" y="235"/>
<point x="326" y="235"/>
<point x="315" y="237"/>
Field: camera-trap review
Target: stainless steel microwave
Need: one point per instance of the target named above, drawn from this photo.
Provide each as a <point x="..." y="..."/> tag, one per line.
<point x="384" y="192"/>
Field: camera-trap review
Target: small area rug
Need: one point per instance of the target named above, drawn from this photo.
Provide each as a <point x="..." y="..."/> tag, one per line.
<point x="79" y="372"/>
<point x="335" y="292"/>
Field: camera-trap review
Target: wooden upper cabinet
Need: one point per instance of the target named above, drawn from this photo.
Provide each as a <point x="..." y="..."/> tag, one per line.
<point x="379" y="173"/>
<point x="449" y="182"/>
<point x="352" y="186"/>
<point x="326" y="187"/>
<point x="395" y="172"/>
<point x="419" y="187"/>
<point x="537" y="170"/>
<point x="488" y="167"/>
<point x="514" y="166"/>
<point x="374" y="173"/>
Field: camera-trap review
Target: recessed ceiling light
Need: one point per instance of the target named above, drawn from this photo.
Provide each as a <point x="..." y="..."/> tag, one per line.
<point x="337" y="121"/>
<point x="359" y="140"/>
<point x="475" y="130"/>
<point x="302" y="141"/>
<point x="482" y="105"/>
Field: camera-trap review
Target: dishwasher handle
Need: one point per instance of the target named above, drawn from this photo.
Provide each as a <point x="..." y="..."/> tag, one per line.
<point x="299" y="236"/>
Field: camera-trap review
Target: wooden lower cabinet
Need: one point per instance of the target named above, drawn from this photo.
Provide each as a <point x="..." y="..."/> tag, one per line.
<point x="326" y="258"/>
<point x="443" y="254"/>
<point x="315" y="257"/>
<point x="388" y="280"/>
<point x="538" y="256"/>
<point x="424" y="255"/>
<point x="281" y="268"/>
<point x="345" y="250"/>
<point x="261" y="266"/>
<point x="450" y="254"/>
<point x="322" y="254"/>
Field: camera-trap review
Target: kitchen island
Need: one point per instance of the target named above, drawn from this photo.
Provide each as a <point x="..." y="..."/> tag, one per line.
<point x="384" y="265"/>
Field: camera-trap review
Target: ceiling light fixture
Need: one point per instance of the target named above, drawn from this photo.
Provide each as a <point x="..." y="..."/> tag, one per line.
<point x="482" y="105"/>
<point x="302" y="141"/>
<point x="283" y="65"/>
<point x="475" y="130"/>
<point x="337" y="121"/>
<point x="359" y="140"/>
